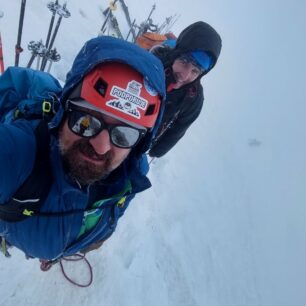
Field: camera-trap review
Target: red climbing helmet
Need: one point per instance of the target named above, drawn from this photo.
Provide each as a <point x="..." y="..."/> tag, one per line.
<point x="119" y="91"/>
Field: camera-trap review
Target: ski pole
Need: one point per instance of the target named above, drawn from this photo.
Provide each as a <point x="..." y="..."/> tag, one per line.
<point x="53" y="57"/>
<point x="38" y="63"/>
<point x="128" y="18"/>
<point x="107" y="16"/>
<point x="145" y="23"/>
<point x="131" y="30"/>
<point x="53" y="7"/>
<point x="62" y="13"/>
<point x="31" y="60"/>
<point x="18" y="48"/>
<point x="1" y="57"/>
<point x="1" y="51"/>
<point x="105" y="21"/>
<point x="32" y="46"/>
<point x="44" y="59"/>
<point x="37" y="48"/>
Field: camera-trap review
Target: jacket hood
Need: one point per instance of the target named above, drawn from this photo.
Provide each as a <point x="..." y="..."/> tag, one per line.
<point x="198" y="36"/>
<point x="109" y="49"/>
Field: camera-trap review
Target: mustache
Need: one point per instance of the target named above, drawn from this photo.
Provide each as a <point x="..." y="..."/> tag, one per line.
<point x="84" y="146"/>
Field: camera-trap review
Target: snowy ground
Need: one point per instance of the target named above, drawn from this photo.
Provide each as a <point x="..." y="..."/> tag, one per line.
<point x="225" y="221"/>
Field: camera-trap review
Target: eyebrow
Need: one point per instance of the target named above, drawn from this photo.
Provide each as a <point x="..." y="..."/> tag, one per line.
<point x="197" y="69"/>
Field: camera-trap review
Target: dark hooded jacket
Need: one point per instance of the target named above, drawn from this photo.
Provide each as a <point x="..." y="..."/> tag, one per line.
<point x="183" y="105"/>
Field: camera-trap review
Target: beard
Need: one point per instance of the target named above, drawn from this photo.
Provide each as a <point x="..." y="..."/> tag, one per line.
<point x="84" y="171"/>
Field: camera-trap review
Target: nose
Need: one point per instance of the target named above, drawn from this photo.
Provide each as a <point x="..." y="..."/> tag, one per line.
<point x="101" y="143"/>
<point x="186" y="73"/>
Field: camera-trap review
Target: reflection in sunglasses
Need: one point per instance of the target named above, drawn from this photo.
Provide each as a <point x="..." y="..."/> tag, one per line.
<point x="86" y="125"/>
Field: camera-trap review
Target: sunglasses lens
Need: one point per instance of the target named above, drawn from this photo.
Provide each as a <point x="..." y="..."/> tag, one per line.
<point x="124" y="136"/>
<point x="84" y="124"/>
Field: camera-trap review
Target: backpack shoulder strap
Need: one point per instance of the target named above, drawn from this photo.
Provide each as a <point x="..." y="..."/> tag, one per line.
<point x="28" y="199"/>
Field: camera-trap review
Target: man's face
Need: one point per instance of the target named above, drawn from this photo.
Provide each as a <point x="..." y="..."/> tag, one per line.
<point x="90" y="159"/>
<point x="184" y="72"/>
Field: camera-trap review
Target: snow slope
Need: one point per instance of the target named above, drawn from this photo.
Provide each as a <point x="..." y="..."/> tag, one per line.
<point x="224" y="224"/>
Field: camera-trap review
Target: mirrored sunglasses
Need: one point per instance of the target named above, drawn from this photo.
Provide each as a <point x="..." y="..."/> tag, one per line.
<point x="86" y="125"/>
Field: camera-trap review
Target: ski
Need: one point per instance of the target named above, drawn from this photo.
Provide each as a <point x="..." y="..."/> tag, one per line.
<point x="18" y="48"/>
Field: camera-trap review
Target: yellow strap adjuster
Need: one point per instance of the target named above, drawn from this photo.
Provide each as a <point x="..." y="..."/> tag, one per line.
<point x="46" y="107"/>
<point x="28" y="213"/>
<point x="121" y="202"/>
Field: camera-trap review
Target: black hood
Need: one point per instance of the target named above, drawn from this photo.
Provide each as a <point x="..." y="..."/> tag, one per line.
<point x="198" y="36"/>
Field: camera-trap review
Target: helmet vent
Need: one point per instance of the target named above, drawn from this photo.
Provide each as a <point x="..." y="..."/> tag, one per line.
<point x="150" y="110"/>
<point x="101" y="87"/>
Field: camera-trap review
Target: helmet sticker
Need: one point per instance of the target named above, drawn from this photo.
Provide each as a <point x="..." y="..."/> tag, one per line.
<point x="128" y="100"/>
<point x="149" y="88"/>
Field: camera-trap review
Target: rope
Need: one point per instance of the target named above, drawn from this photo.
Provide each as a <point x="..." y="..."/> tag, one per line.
<point x="79" y="257"/>
<point x="46" y="265"/>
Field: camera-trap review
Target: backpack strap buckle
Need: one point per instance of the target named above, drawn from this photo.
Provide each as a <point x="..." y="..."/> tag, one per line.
<point x="47" y="109"/>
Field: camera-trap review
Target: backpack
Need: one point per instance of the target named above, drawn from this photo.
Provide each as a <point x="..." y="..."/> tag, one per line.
<point x="149" y="40"/>
<point x="30" y="95"/>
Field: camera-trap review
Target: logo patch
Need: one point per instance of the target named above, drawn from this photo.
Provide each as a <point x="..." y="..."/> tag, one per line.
<point x="149" y="88"/>
<point x="128" y="100"/>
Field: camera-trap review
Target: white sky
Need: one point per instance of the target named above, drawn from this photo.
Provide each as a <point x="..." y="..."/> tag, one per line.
<point x="225" y="221"/>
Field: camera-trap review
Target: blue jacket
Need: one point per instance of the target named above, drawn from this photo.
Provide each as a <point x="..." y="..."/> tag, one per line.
<point x="50" y="237"/>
